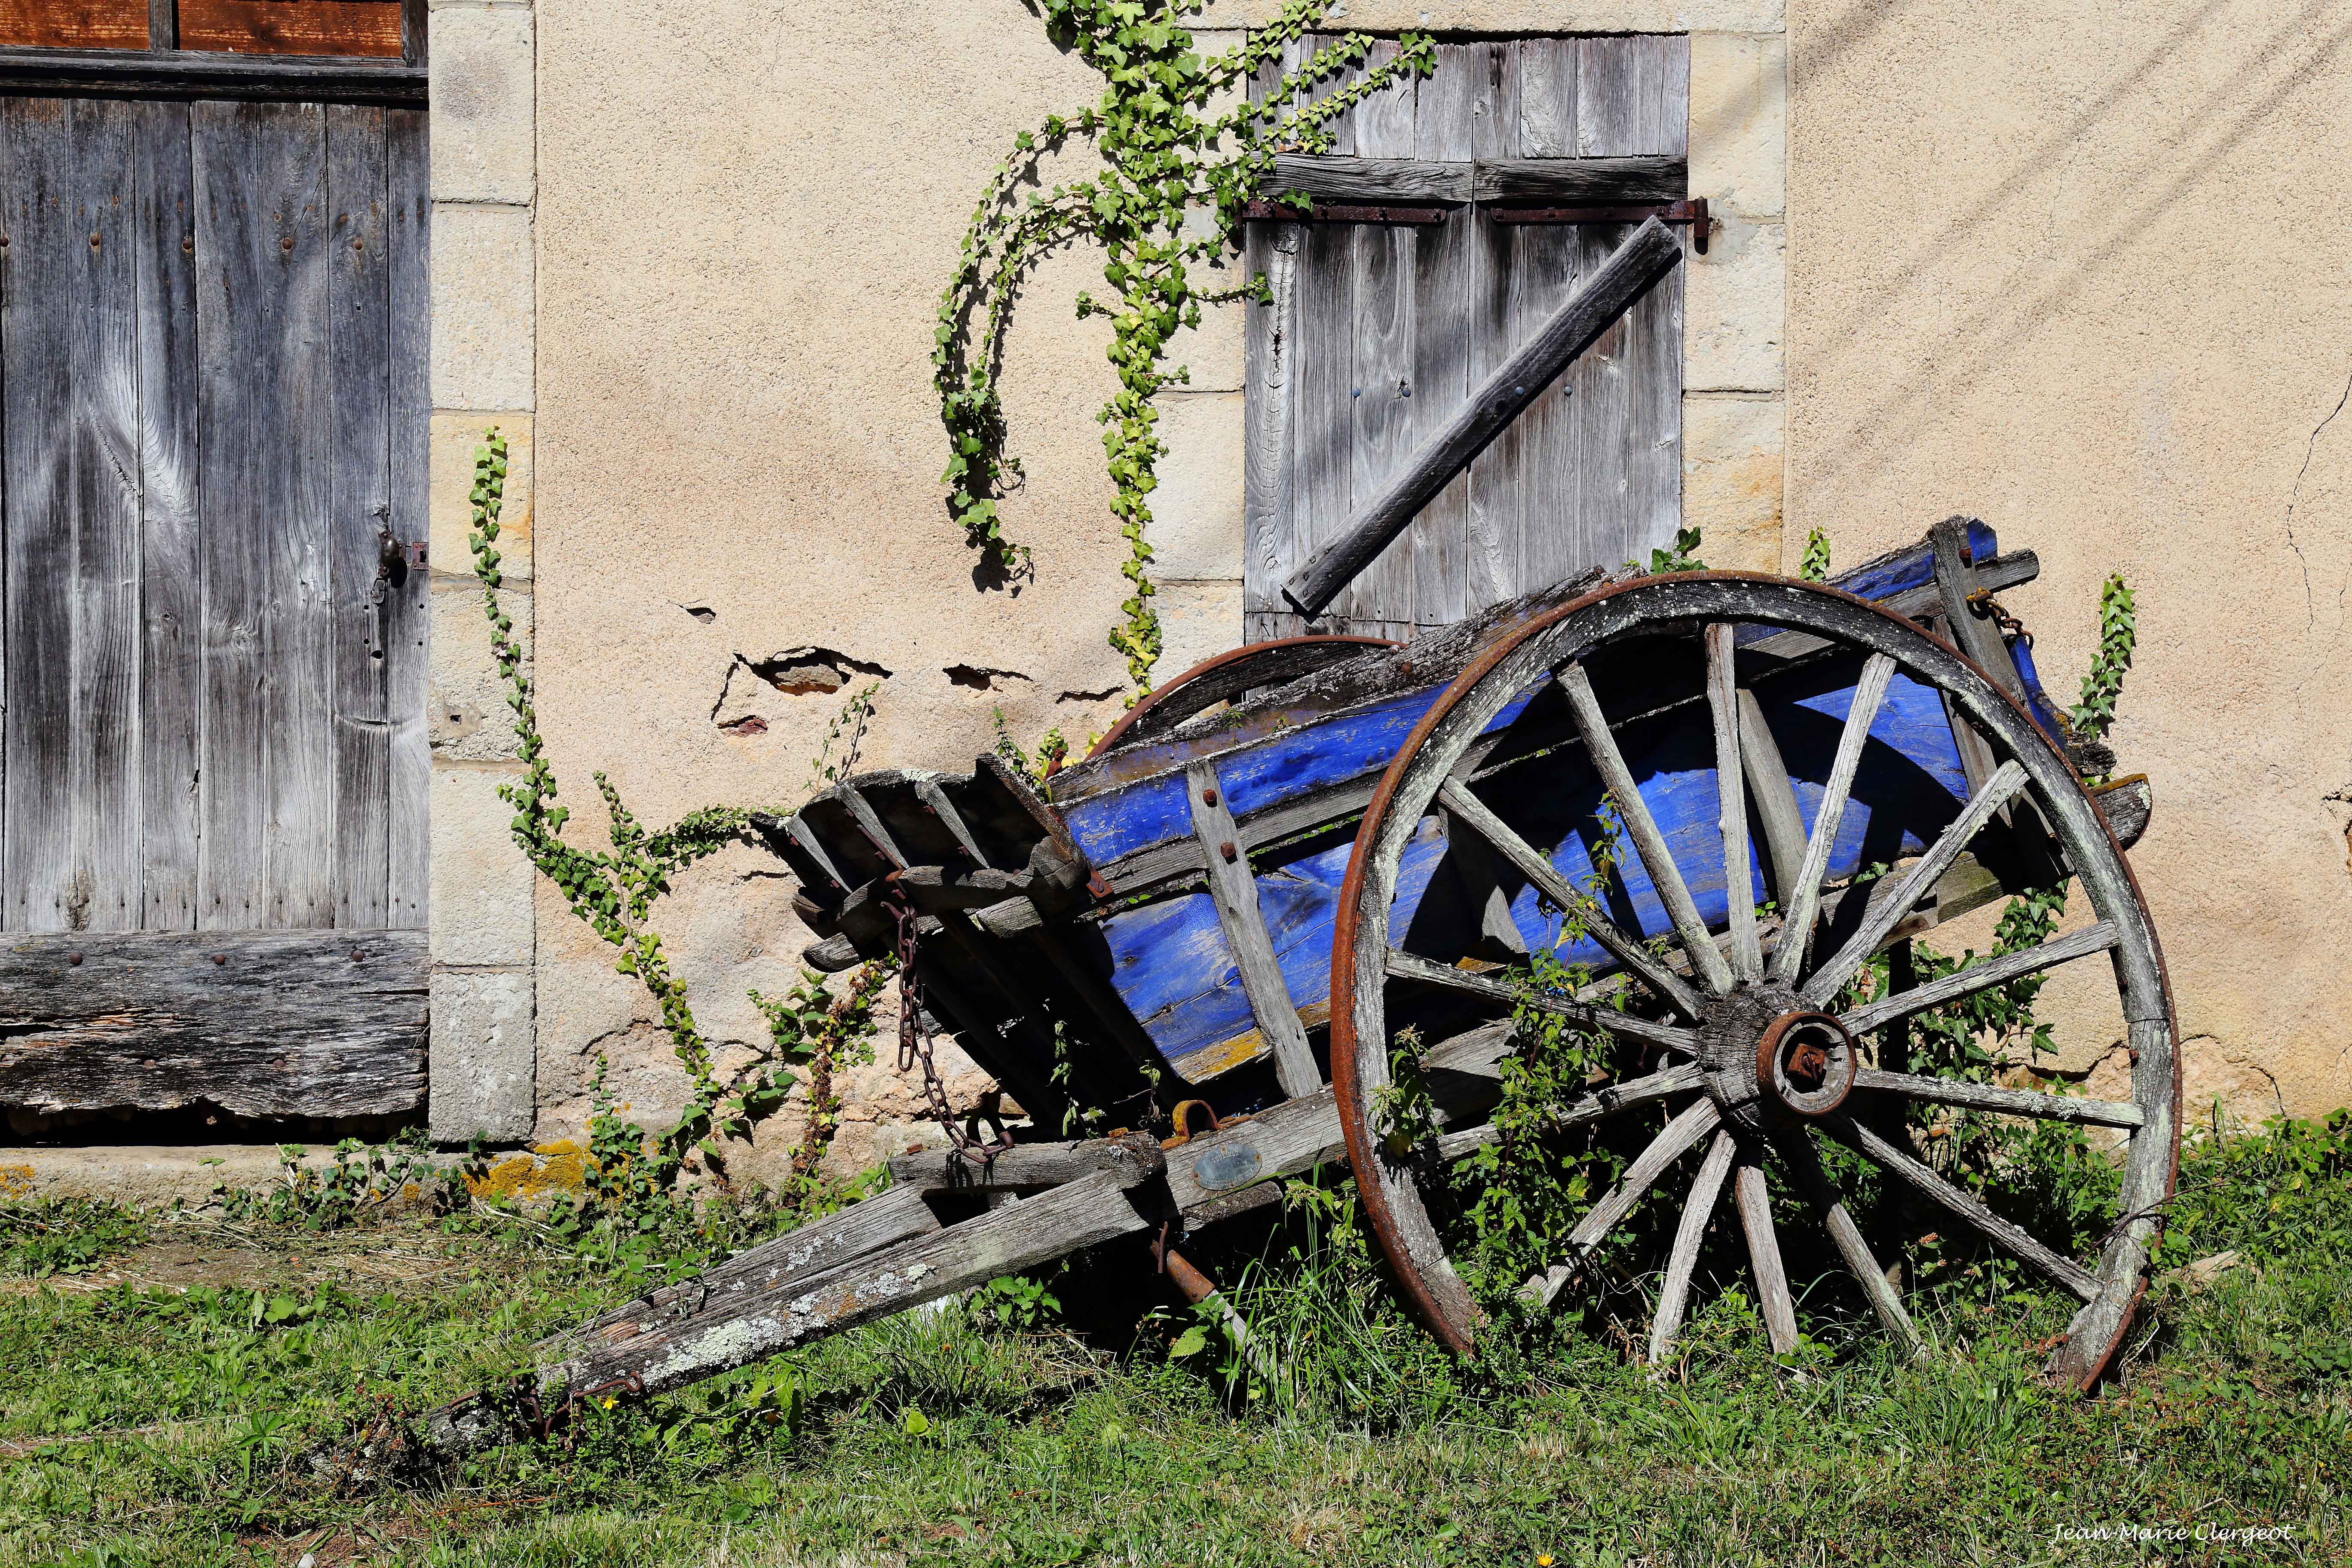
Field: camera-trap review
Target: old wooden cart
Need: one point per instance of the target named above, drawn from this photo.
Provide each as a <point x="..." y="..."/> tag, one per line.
<point x="1303" y="853"/>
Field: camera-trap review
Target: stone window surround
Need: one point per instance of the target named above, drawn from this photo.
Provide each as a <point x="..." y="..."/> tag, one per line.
<point x="482" y="60"/>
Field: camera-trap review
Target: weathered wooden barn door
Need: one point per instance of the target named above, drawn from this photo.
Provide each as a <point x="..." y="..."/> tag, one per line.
<point x="1378" y="330"/>
<point x="213" y="760"/>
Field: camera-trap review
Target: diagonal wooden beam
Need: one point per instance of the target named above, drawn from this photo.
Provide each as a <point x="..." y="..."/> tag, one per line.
<point x="1233" y="887"/>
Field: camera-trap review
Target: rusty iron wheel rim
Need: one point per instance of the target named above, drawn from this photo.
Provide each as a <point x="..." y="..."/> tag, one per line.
<point x="1550" y="642"/>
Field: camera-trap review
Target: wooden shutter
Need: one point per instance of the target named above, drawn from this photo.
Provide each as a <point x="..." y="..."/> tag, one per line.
<point x="213" y="816"/>
<point x="1375" y="333"/>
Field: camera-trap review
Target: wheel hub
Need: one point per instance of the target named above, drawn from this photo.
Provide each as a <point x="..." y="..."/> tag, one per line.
<point x="1769" y="1058"/>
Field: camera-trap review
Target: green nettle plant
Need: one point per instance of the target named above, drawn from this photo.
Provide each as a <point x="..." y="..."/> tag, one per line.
<point x="612" y="891"/>
<point x="1177" y="168"/>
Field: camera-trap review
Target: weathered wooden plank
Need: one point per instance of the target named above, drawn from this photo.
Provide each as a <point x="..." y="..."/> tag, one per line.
<point x="1574" y="326"/>
<point x="1547" y="98"/>
<point x="1269" y="368"/>
<point x="1764" y="1256"/>
<point x="1004" y="1240"/>
<point x="1370" y="179"/>
<point x="186" y="74"/>
<point x="1977" y="977"/>
<point x="1385" y="260"/>
<point x="1456" y="113"/>
<point x="262" y="1024"/>
<point x="1296" y="55"/>
<point x="1907" y="1168"/>
<point x="1322" y="408"/>
<point x="406" y="606"/>
<point x="1027" y="1167"/>
<point x="1602" y="182"/>
<point x="359" y="515"/>
<point x="1233" y="890"/>
<point x="171" y="672"/>
<point x="1673" y="1295"/>
<point x="883" y="1220"/>
<point x="1545" y="475"/>
<point x="1798" y="916"/>
<point x="1775" y="798"/>
<point x="1633" y="95"/>
<point x="163" y="23"/>
<point x="267" y="775"/>
<point x="1488" y="496"/>
<point x="73" y="785"/>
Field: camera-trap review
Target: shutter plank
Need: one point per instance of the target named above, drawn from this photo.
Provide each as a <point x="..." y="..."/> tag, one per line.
<point x="407" y="605"/>
<point x="267" y="803"/>
<point x="1270" y="548"/>
<point x="1322" y="413"/>
<point x="1633" y="97"/>
<point x="1547" y="98"/>
<point x="1381" y="396"/>
<point x="171" y="675"/>
<point x="360" y="504"/>
<point x="1547" y="476"/>
<point x="1467" y="110"/>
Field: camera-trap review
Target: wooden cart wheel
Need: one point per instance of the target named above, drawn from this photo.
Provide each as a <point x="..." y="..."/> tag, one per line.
<point x="1702" y="678"/>
<point x="1226" y="677"/>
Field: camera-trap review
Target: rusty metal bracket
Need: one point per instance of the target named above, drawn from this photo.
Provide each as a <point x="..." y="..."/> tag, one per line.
<point x="1692" y="212"/>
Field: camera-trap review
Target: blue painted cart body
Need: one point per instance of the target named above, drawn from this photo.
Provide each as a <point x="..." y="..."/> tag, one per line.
<point x="1294" y="771"/>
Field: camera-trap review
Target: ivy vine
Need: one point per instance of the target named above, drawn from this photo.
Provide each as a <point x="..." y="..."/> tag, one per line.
<point x="1177" y="172"/>
<point x="612" y="891"/>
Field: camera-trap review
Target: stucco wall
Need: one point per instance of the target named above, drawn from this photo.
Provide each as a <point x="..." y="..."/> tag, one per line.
<point x="1986" y="247"/>
<point x="2081" y="269"/>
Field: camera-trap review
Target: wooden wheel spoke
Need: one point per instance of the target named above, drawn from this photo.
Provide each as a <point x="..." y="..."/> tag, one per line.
<point x="1764" y="1255"/>
<point x="1723" y="704"/>
<point x="1670" y="1145"/>
<point x="1600" y="1104"/>
<point x="1649" y="843"/>
<point x="1429" y="972"/>
<point x="1795" y="931"/>
<point x="2011" y="1238"/>
<point x="1674" y="1296"/>
<point x="1888" y="911"/>
<point x="1797" y="1151"/>
<point x="1982" y="976"/>
<point x="1538" y="868"/>
<point x="2001" y="1101"/>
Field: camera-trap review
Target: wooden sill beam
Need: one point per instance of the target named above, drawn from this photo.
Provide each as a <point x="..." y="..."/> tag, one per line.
<point x="1533" y="182"/>
<point x="188" y="74"/>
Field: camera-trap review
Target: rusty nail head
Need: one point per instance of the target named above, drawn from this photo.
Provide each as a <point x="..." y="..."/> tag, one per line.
<point x="1227" y="850"/>
<point x="1209" y="796"/>
<point x="220" y="958"/>
<point x="357" y="955"/>
<point x="73" y="958"/>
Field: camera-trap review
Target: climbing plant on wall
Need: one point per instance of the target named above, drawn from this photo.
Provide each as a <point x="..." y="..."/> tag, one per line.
<point x="1182" y="155"/>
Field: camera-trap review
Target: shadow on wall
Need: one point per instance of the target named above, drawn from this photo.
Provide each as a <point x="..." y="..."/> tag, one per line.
<point x="2075" y="255"/>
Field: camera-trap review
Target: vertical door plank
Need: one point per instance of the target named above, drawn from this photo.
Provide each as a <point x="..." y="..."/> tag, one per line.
<point x="1270" y="550"/>
<point x="359" y="508"/>
<point x="1547" y="98"/>
<point x="1385" y="260"/>
<point x="408" y="601"/>
<point x="73" y="483"/>
<point x="263" y="381"/>
<point x="171" y="673"/>
<point x="1468" y="108"/>
<point x="1633" y="98"/>
<point x="1322" y="412"/>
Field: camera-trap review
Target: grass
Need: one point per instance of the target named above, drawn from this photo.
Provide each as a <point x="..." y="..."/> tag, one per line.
<point x="163" y="1425"/>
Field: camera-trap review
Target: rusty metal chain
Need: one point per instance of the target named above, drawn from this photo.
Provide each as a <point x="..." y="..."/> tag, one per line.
<point x="1984" y="604"/>
<point x="915" y="1048"/>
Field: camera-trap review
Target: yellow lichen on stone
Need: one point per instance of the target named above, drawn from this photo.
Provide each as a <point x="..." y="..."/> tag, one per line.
<point x="15" y="1181"/>
<point x="548" y="1168"/>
